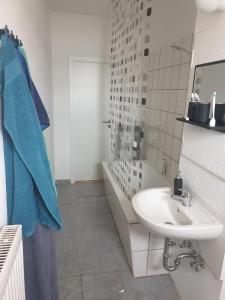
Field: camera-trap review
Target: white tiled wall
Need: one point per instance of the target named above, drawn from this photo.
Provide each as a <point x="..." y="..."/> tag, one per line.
<point x="129" y="78"/>
<point x="167" y="95"/>
<point x="203" y="169"/>
<point x="148" y="89"/>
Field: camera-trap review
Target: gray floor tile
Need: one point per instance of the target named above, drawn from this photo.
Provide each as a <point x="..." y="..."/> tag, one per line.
<point x="90" y="189"/>
<point x="149" y="288"/>
<point x="104" y="260"/>
<point x="65" y="255"/>
<point x="91" y="199"/>
<point x="90" y="243"/>
<point x="102" y="286"/>
<point x="70" y="288"/>
<point x="66" y="194"/>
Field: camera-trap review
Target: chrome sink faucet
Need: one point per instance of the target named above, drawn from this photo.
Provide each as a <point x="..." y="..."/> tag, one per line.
<point x="185" y="198"/>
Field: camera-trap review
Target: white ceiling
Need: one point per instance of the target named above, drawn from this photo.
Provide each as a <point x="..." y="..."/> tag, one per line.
<point x="88" y="7"/>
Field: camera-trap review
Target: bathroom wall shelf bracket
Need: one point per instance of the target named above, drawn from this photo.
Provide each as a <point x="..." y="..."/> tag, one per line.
<point x="206" y="126"/>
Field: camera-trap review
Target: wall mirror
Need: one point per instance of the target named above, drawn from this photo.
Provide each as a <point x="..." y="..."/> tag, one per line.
<point x="210" y="78"/>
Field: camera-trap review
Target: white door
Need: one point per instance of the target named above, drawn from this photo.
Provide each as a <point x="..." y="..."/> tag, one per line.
<point x="107" y="122"/>
<point x="87" y="111"/>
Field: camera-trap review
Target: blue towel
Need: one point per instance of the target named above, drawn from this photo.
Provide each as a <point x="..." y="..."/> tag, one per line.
<point x="31" y="194"/>
<point x="40" y="109"/>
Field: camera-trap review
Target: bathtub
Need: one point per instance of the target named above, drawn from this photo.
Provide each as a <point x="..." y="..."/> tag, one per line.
<point x="143" y="249"/>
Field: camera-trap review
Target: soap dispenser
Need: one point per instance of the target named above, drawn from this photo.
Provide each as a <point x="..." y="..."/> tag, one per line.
<point x="178" y="184"/>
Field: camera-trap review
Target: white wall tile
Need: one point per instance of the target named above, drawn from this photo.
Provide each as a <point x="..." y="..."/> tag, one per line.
<point x="176" y="150"/>
<point x="156" y="138"/>
<point x="158" y="99"/>
<point x="169" y="56"/>
<point x="156" y="55"/>
<point x="161" y="78"/>
<point x="155" y="79"/>
<point x="175" y="77"/>
<point x="156" y="242"/>
<point x="170" y="123"/>
<point x="177" y="53"/>
<point x="172" y="101"/>
<point x="165" y="100"/>
<point x="168" y="145"/>
<point x="151" y="62"/>
<point x="174" y="168"/>
<point x="149" y="97"/>
<point x="140" y="261"/>
<point x="155" y="266"/>
<point x="167" y="78"/>
<point x="154" y="99"/>
<point x="159" y="162"/>
<point x="162" y="63"/>
<point x="162" y="140"/>
<point x="181" y="102"/>
<point x="178" y="128"/>
<point x="163" y="122"/>
<point x="168" y="163"/>
<point x="187" y="44"/>
<point x="184" y="76"/>
<point x="139" y="237"/>
<point x="150" y="80"/>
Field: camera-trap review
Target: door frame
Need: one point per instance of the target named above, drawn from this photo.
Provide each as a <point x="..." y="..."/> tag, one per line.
<point x="73" y="59"/>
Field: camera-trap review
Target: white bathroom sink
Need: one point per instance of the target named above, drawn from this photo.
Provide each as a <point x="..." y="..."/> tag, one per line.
<point x="166" y="217"/>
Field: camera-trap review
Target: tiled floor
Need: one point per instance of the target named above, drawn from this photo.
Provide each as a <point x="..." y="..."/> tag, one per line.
<point x="91" y="260"/>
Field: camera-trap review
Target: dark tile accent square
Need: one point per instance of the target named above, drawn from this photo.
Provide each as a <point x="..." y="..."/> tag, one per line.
<point x="134" y="172"/>
<point x="143" y="101"/>
<point x="146" y="52"/>
<point x="149" y="11"/>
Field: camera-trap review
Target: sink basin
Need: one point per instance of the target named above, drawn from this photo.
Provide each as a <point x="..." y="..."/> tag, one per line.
<point x="166" y="217"/>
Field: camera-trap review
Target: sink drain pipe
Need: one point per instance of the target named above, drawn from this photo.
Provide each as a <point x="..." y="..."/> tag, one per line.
<point x="168" y="243"/>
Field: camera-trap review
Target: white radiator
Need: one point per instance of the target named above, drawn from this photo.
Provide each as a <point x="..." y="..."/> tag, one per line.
<point x="11" y="264"/>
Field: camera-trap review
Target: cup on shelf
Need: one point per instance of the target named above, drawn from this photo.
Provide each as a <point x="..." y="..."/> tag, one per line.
<point x="199" y="112"/>
<point x="220" y="114"/>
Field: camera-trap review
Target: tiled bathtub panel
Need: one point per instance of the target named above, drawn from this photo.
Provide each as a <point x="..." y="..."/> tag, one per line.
<point x="140" y="263"/>
<point x="139" y="237"/>
<point x="156" y="242"/>
<point x="122" y="225"/>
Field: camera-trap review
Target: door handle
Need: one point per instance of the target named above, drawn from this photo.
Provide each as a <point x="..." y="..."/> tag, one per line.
<point x="106" y="122"/>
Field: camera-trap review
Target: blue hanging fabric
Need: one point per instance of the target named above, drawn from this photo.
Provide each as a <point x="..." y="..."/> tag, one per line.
<point x="31" y="193"/>
<point x="40" y="109"/>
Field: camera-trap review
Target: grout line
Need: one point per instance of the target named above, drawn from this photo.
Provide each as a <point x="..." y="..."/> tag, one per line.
<point x="170" y="66"/>
<point x="92" y="272"/>
<point x="149" y="237"/>
<point x="82" y="286"/>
